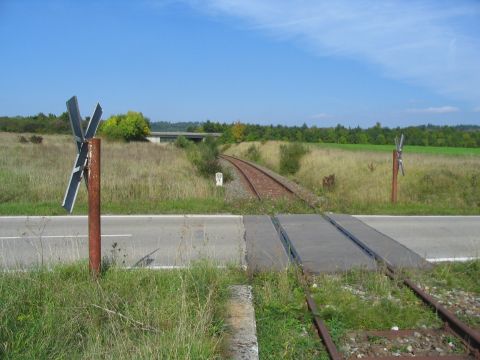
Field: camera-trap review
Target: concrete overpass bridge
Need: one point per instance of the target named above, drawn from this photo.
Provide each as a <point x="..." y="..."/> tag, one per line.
<point x="171" y="136"/>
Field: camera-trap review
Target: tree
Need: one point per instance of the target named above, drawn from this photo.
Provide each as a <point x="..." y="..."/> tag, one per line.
<point x="238" y="131"/>
<point x="128" y="127"/>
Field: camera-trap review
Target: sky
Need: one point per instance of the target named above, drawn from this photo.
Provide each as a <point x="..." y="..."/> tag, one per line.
<point x="317" y="62"/>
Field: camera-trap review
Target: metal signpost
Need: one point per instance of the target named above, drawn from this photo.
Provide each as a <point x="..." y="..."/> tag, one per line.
<point x="87" y="165"/>
<point x="397" y="163"/>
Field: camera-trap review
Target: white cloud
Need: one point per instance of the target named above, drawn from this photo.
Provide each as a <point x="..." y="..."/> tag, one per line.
<point x="434" y="110"/>
<point x="421" y="42"/>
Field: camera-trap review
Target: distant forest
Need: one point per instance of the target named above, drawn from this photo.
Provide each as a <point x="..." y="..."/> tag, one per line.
<point x="179" y="126"/>
<point x="426" y="135"/>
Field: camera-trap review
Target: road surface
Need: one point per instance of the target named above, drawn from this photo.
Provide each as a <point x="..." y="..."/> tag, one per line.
<point x="437" y="238"/>
<point x="154" y="241"/>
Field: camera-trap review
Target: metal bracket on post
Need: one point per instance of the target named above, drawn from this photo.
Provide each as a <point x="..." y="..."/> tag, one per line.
<point x="86" y="165"/>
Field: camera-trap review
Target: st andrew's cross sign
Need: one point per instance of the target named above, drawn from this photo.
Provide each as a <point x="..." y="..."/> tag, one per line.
<point x="82" y="149"/>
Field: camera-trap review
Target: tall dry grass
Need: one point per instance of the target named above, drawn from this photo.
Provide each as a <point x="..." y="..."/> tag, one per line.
<point x="134" y="171"/>
<point x="433" y="183"/>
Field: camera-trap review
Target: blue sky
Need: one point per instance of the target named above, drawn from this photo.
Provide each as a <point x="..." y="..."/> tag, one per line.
<point x="258" y="61"/>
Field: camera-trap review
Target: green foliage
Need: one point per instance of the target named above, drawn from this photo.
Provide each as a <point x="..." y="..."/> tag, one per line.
<point x="40" y="123"/>
<point x="182" y="142"/>
<point x="127" y="127"/>
<point x="290" y="155"/>
<point x="35" y="139"/>
<point x="283" y="322"/>
<point x="61" y="313"/>
<point x="204" y="156"/>
<point x="253" y="153"/>
<point x="358" y="300"/>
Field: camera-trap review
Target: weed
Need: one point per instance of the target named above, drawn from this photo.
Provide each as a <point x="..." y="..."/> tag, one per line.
<point x="290" y="155"/>
<point x="182" y="142"/>
<point x="36" y="139"/>
<point x="253" y="153"/>
<point x="22" y="139"/>
<point x="283" y="323"/>
<point x="63" y="314"/>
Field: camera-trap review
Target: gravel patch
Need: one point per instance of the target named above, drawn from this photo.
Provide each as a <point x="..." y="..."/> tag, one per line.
<point x="464" y="304"/>
<point x="408" y="343"/>
<point x="236" y="188"/>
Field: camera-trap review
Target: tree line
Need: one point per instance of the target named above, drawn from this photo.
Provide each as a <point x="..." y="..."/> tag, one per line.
<point x="424" y="135"/>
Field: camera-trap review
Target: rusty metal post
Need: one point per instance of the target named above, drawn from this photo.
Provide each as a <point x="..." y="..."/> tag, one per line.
<point x="94" y="230"/>
<point x="394" y="176"/>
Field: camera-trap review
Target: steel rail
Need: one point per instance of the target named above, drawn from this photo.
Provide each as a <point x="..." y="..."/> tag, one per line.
<point x="247" y="179"/>
<point x="470" y="337"/>
<point x="322" y="330"/>
<point x="229" y="157"/>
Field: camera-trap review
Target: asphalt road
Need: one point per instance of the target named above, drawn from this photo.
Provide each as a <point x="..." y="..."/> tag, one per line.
<point x="167" y="241"/>
<point x="154" y="241"/>
<point x="437" y="238"/>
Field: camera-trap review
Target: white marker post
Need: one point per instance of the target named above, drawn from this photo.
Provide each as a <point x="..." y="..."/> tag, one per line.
<point x="219" y="179"/>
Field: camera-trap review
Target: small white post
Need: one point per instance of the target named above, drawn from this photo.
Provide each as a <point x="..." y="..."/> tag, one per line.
<point x="219" y="179"/>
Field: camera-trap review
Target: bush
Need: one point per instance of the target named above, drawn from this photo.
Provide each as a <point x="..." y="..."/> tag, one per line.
<point x="253" y="153"/>
<point x="22" y="139"/>
<point x="128" y="127"/>
<point x="204" y="157"/>
<point x="290" y="156"/>
<point x="34" y="139"/>
<point x="182" y="142"/>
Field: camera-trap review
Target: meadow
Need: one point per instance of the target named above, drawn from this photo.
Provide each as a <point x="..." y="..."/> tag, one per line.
<point x="434" y="183"/>
<point x="137" y="178"/>
<point x="61" y="313"/>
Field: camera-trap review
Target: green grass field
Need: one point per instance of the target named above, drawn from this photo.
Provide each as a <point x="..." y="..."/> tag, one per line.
<point x="137" y="178"/>
<point x="414" y="149"/>
<point x="63" y="314"/>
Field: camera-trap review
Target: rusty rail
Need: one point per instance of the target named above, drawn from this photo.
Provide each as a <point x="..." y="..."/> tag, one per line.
<point x="234" y="161"/>
<point x="322" y="330"/>
<point x="239" y="168"/>
<point x="469" y="336"/>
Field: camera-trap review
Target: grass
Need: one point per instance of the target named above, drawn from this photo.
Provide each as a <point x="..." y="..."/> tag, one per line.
<point x="63" y="314"/>
<point x="137" y="178"/>
<point x="360" y="300"/>
<point x="412" y="149"/>
<point x="284" y="326"/>
<point x="433" y="184"/>
<point x="448" y="279"/>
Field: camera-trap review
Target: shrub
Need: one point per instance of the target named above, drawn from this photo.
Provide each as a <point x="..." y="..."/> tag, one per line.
<point x="253" y="153"/>
<point x="22" y="139"/>
<point x="290" y="156"/>
<point x="128" y="127"/>
<point x="225" y="147"/>
<point x="35" y="139"/>
<point x="204" y="157"/>
<point x="182" y="142"/>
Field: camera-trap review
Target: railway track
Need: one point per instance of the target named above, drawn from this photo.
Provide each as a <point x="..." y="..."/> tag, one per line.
<point x="263" y="185"/>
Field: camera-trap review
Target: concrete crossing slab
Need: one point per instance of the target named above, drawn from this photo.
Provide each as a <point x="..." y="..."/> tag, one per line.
<point x="396" y="254"/>
<point x="265" y="251"/>
<point x="437" y="238"/>
<point x="154" y="241"/>
<point x="321" y="247"/>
